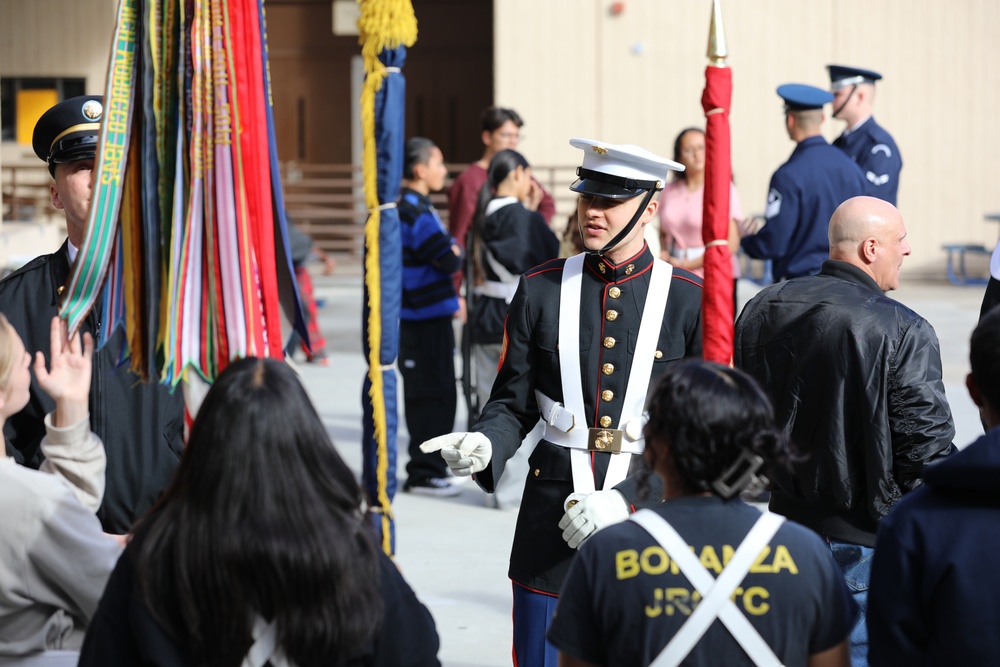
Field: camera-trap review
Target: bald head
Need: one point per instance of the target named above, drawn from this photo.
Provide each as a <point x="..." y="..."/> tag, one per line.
<point x="855" y="220"/>
<point x="869" y="234"/>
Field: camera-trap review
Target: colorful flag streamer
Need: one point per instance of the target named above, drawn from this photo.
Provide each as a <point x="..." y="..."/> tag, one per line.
<point x="186" y="245"/>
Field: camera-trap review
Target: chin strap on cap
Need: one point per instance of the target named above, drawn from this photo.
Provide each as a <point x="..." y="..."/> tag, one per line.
<point x="613" y="243"/>
<point x="846" y="100"/>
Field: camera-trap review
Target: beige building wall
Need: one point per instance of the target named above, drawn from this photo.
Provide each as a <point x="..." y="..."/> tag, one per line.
<point x="574" y="69"/>
<point x="58" y="38"/>
<point x="571" y="68"/>
<point x="66" y="38"/>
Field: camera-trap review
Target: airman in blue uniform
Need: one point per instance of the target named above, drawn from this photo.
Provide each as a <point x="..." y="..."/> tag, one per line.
<point x="864" y="140"/>
<point x="805" y="191"/>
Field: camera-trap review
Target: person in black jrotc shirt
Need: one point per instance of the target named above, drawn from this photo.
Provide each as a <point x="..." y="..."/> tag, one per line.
<point x="864" y="140"/>
<point x="583" y="340"/>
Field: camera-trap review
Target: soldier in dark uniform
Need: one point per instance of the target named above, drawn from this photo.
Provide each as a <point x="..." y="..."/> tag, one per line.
<point x="864" y="140"/>
<point x="583" y="340"/>
<point x="141" y="424"/>
<point x="805" y="191"/>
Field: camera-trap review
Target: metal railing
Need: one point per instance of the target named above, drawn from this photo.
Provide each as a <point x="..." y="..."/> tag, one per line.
<point x="25" y="189"/>
<point x="325" y="200"/>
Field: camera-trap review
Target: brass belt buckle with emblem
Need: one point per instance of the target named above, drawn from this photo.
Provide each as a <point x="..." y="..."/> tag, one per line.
<point x="604" y="440"/>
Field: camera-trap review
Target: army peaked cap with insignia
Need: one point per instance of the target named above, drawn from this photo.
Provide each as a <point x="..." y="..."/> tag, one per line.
<point x="68" y="131"/>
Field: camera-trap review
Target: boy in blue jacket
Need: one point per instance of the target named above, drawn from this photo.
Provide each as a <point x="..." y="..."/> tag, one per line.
<point x="426" y="337"/>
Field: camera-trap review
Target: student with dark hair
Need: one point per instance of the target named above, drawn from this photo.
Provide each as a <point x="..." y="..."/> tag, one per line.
<point x="934" y="577"/>
<point x="426" y="336"/>
<point x="500" y="129"/>
<point x="681" y="208"/>
<point x="259" y="549"/>
<point x="506" y="240"/>
<point x="651" y="588"/>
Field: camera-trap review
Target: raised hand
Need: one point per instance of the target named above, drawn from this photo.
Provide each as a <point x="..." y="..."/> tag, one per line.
<point x="67" y="380"/>
<point x="535" y="196"/>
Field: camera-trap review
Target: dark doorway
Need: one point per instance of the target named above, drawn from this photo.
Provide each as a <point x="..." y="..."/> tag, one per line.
<point x="449" y="75"/>
<point x="449" y="78"/>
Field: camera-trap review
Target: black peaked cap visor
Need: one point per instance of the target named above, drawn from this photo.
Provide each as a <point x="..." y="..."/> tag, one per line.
<point x="599" y="184"/>
<point x="72" y="148"/>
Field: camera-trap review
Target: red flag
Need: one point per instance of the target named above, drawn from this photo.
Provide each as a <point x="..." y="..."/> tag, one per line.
<point x="717" y="298"/>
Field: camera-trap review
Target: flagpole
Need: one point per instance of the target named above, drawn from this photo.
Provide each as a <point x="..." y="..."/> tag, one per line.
<point x="718" y="309"/>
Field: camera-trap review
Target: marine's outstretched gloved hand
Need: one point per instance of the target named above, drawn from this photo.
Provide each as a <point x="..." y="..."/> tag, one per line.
<point x="465" y="453"/>
<point x="597" y="510"/>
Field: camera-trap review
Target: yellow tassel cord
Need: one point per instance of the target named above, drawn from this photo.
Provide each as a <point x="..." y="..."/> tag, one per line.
<point x="383" y="24"/>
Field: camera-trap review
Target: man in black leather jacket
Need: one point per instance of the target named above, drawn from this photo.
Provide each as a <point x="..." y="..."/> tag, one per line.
<point x="141" y="424"/>
<point x="856" y="380"/>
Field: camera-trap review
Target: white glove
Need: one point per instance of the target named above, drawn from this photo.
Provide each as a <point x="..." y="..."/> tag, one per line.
<point x="598" y="510"/>
<point x="465" y="453"/>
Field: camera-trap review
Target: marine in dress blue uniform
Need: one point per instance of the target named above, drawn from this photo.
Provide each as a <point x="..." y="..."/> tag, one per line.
<point x="555" y="517"/>
<point x="805" y="191"/>
<point x="864" y="140"/>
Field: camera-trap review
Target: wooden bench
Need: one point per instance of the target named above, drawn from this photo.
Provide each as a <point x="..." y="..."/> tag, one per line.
<point x="956" y="267"/>
<point x="26" y="194"/>
<point x="326" y="201"/>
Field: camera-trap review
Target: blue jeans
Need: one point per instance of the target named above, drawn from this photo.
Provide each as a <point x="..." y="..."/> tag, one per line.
<point x="855" y="563"/>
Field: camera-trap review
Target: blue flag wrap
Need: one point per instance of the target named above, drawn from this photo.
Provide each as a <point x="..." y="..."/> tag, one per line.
<point x="389" y="140"/>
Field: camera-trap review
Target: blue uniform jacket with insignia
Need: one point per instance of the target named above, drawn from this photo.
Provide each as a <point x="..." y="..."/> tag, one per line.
<point x="540" y="557"/>
<point x="874" y="150"/>
<point x="804" y="193"/>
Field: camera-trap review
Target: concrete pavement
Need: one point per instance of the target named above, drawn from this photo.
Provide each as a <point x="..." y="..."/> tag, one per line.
<point x="454" y="551"/>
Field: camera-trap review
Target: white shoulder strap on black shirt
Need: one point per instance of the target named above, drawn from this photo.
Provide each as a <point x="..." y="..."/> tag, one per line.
<point x="715" y="602"/>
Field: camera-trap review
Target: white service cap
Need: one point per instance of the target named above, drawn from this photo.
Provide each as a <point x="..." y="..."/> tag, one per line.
<point x="619" y="171"/>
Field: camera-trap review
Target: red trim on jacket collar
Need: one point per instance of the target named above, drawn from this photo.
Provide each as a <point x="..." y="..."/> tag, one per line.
<point x="640" y="263"/>
<point x="556" y="264"/>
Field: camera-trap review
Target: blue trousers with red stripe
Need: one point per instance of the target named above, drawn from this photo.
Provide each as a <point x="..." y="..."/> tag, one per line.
<point x="532" y="614"/>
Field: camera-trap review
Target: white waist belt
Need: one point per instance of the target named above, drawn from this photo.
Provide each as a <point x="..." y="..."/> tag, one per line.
<point x="562" y="428"/>
<point x="496" y="290"/>
<point x="571" y="378"/>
